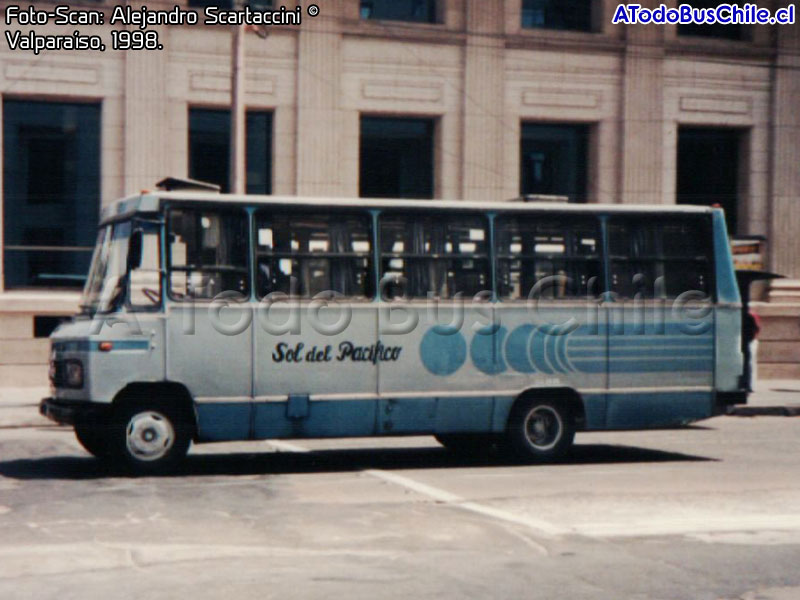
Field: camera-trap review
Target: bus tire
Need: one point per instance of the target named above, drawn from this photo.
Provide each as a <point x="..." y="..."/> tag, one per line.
<point x="540" y="430"/>
<point x="147" y="438"/>
<point x="92" y="438"/>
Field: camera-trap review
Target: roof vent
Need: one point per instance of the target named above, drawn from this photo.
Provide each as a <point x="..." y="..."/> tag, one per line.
<point x="540" y="198"/>
<point x="171" y="184"/>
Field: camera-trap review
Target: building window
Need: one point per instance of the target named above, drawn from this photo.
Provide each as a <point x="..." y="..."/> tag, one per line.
<point x="396" y="158"/>
<point x="209" y="148"/>
<point x="708" y="169"/>
<point x="51" y="181"/>
<point x="442" y="256"/>
<point x="557" y="14"/>
<point x="554" y="160"/>
<point x="419" y="11"/>
<point x="304" y="255"/>
<point x="716" y="30"/>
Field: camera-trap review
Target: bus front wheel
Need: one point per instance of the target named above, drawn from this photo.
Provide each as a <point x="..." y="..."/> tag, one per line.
<point x="149" y="439"/>
<point x="540" y="430"/>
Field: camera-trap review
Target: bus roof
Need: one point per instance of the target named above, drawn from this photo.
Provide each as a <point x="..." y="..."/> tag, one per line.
<point x="151" y="202"/>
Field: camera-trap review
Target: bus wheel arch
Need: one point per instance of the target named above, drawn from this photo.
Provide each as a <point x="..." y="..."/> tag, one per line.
<point x="542" y="423"/>
<point x="151" y="426"/>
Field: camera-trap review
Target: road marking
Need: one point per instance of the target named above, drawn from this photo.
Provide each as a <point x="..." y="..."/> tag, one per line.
<point x="701" y="524"/>
<point x="704" y="527"/>
<point x="445" y="497"/>
<point x="53" y="559"/>
<point x="541" y="527"/>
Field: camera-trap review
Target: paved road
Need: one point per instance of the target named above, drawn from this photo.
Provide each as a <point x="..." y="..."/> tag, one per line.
<point x="711" y="512"/>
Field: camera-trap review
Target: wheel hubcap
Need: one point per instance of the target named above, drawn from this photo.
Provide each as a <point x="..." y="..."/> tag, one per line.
<point x="149" y="435"/>
<point x="543" y="428"/>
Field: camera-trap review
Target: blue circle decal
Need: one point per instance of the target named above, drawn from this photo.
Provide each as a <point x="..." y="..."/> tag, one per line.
<point x="486" y="350"/>
<point x="443" y="350"/>
<point x="517" y="349"/>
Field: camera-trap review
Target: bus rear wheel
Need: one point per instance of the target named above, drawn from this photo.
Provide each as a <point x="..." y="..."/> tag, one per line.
<point x="540" y="430"/>
<point x="148" y="439"/>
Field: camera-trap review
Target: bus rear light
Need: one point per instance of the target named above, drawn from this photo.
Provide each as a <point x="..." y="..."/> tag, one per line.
<point x="106" y="346"/>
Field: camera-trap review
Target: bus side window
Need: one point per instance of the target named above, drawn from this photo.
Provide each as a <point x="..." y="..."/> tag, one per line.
<point x="443" y="255"/>
<point x="145" y="279"/>
<point x="207" y="253"/>
<point x="547" y="256"/>
<point x="659" y="259"/>
<point x="306" y="255"/>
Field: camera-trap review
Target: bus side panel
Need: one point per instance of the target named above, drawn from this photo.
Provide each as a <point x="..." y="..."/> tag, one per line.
<point x="561" y="344"/>
<point x="435" y="354"/>
<point x="213" y="363"/>
<point x="315" y="361"/>
<point x="498" y="350"/>
<point x="325" y="418"/>
<point x="137" y="354"/>
<point x="729" y="357"/>
<point x="223" y="421"/>
<point x="472" y="415"/>
<point x="650" y="361"/>
<point x="644" y="410"/>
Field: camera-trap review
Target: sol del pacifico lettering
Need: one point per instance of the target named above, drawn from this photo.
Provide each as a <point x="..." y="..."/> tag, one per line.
<point x="346" y="351"/>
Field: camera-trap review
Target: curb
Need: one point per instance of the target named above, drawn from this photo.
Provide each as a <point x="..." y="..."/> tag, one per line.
<point x="765" y="411"/>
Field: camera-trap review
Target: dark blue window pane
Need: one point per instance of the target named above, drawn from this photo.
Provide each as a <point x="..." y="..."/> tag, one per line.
<point x="553" y="160"/>
<point x="259" y="153"/>
<point x="420" y="11"/>
<point x="557" y="14"/>
<point x="396" y="158"/>
<point x="209" y="148"/>
<point x="708" y="159"/>
<point x="51" y="175"/>
<point x="716" y="30"/>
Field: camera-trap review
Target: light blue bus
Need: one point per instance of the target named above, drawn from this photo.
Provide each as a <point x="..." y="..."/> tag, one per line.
<point x="210" y="317"/>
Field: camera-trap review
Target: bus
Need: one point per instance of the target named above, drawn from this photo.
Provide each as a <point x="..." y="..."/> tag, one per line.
<point x="209" y="317"/>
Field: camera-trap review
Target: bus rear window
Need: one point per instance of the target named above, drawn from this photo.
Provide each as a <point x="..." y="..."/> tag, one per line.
<point x="658" y="258"/>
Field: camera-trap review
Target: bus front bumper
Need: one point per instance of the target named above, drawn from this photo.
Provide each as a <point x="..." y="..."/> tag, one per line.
<point x="66" y="412"/>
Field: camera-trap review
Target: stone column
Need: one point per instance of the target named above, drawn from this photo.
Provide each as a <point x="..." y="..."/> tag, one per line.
<point x="484" y="101"/>
<point x="145" y="110"/>
<point x="784" y="238"/>
<point x="319" y="130"/>
<point x="642" y="111"/>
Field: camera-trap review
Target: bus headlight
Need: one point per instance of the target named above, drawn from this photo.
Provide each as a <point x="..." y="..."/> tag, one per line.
<point x="73" y="373"/>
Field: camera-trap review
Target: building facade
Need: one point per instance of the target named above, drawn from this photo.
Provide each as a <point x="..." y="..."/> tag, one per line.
<point x="454" y="99"/>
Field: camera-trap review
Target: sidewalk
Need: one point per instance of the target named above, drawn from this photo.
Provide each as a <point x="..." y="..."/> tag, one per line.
<point x="19" y="407"/>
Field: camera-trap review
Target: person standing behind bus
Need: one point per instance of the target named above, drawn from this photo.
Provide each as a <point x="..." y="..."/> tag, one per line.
<point x="750" y="331"/>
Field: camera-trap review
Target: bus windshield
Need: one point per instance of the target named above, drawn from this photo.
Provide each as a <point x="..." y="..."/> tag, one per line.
<point x="107" y="273"/>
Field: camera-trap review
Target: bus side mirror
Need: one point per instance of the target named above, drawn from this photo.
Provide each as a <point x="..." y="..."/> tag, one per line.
<point x="135" y="250"/>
